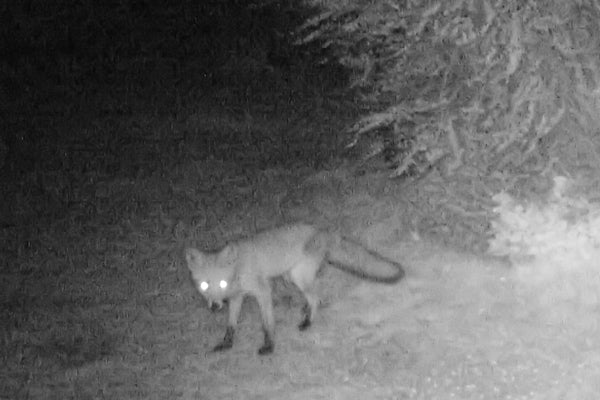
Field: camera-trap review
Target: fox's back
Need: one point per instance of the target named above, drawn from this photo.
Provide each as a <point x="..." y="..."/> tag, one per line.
<point x="274" y="252"/>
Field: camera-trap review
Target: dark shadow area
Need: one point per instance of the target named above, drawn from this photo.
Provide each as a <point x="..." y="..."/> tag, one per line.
<point x="96" y="91"/>
<point x="64" y="65"/>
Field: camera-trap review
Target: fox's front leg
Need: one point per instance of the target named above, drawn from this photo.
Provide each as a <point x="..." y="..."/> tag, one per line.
<point x="265" y="303"/>
<point x="235" y="305"/>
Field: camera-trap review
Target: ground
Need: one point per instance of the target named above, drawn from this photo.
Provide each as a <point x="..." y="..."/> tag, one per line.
<point x="102" y="307"/>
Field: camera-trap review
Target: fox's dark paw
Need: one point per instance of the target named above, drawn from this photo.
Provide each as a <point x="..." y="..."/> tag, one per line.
<point x="306" y="317"/>
<point x="223" y="346"/>
<point x="227" y="341"/>
<point x="305" y="324"/>
<point x="268" y="345"/>
<point x="266" y="348"/>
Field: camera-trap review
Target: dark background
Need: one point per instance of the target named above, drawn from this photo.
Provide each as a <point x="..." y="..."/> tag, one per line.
<point x="68" y="64"/>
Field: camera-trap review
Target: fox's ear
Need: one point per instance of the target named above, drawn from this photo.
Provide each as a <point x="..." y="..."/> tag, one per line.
<point x="229" y="254"/>
<point x="193" y="257"/>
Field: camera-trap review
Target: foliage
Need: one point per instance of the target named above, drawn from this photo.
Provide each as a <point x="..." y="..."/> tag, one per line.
<point x="554" y="243"/>
<point x="563" y="227"/>
<point x="491" y="95"/>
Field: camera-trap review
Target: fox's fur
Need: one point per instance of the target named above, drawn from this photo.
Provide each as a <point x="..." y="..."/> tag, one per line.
<point x="296" y="252"/>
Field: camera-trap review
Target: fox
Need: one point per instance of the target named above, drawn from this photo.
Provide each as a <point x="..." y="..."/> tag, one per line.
<point x="296" y="252"/>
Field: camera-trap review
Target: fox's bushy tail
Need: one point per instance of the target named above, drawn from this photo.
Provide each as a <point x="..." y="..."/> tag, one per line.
<point x="354" y="258"/>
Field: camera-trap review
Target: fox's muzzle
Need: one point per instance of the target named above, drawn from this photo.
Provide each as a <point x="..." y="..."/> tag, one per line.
<point x="215" y="305"/>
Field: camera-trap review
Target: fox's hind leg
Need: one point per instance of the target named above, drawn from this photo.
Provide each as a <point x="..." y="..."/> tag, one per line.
<point x="303" y="276"/>
<point x="309" y="309"/>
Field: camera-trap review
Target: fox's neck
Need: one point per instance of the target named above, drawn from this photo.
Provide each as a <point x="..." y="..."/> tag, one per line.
<point x="232" y="279"/>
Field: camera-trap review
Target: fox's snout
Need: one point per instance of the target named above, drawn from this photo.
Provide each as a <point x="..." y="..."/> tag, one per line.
<point x="215" y="305"/>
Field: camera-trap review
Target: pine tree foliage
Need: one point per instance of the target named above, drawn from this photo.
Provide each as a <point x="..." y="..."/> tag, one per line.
<point x="488" y="95"/>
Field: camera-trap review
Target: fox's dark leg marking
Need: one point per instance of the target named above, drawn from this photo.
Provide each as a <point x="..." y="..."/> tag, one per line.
<point x="310" y="307"/>
<point x="306" y="317"/>
<point x="303" y="276"/>
<point x="235" y="305"/>
<point x="227" y="341"/>
<point x="268" y="344"/>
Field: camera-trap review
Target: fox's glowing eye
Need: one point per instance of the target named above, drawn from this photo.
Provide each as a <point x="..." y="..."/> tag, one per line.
<point x="203" y="286"/>
<point x="223" y="284"/>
